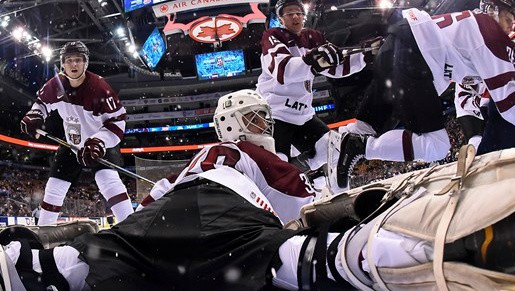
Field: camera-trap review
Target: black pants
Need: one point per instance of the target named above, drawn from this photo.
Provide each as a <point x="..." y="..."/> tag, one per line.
<point x="190" y="239"/>
<point x="303" y="137"/>
<point x="402" y="91"/>
<point x="66" y="167"/>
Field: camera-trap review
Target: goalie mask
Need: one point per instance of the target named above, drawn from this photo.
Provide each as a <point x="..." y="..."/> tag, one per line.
<point x="71" y="48"/>
<point x="244" y="115"/>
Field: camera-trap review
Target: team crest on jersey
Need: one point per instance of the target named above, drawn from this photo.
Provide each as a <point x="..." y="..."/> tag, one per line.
<point x="307" y="85"/>
<point x="72" y="128"/>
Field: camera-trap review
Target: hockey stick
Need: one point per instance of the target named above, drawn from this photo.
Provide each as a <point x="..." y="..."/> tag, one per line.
<point x="100" y="160"/>
<point x="347" y="51"/>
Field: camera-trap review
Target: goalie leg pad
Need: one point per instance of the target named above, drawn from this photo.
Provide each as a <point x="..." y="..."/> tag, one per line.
<point x="333" y="153"/>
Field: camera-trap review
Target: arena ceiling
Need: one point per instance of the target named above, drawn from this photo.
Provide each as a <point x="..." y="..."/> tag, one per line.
<point x="97" y="23"/>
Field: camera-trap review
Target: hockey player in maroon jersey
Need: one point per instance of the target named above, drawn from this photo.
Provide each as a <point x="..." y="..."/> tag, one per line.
<point x="291" y="57"/>
<point x="419" y="58"/>
<point x="244" y="127"/>
<point x="93" y="121"/>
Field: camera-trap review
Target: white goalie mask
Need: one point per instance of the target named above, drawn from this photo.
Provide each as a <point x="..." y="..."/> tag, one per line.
<point x="245" y="115"/>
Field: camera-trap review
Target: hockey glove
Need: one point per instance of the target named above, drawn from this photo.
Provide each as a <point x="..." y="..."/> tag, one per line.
<point x="32" y="121"/>
<point x="373" y="44"/>
<point x="93" y="149"/>
<point x="469" y="97"/>
<point x="323" y="57"/>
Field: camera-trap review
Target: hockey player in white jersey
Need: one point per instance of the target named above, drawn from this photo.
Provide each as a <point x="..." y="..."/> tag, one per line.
<point x="290" y="59"/>
<point x="93" y="121"/>
<point x="419" y="58"/>
<point x="244" y="126"/>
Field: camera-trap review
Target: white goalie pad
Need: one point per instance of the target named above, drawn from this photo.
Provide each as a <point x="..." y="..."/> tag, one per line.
<point x="451" y="206"/>
<point x="333" y="154"/>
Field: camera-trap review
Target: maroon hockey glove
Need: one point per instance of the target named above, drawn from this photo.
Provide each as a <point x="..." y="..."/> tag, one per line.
<point x="93" y="149"/>
<point x="31" y="121"/>
<point x="323" y="57"/>
<point x="374" y="44"/>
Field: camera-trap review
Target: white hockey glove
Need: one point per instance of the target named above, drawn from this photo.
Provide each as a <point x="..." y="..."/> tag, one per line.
<point x="470" y="97"/>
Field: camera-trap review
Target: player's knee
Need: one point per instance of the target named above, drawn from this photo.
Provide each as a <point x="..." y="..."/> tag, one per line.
<point x="108" y="181"/>
<point x="56" y="189"/>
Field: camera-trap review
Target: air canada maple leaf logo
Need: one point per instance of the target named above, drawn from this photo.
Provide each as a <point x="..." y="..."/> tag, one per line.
<point x="207" y="31"/>
<point x="213" y="29"/>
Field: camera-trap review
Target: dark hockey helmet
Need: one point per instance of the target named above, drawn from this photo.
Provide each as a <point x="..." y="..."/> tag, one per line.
<point x="496" y="5"/>
<point x="74" y="47"/>
<point x="283" y="3"/>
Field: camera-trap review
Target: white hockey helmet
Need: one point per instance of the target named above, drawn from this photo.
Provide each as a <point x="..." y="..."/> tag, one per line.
<point x="237" y="111"/>
<point x="283" y="3"/>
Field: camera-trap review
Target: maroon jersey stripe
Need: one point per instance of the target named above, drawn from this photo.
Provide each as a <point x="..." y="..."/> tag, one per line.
<point x="506" y="104"/>
<point x="346" y="66"/>
<point x="114" y="129"/>
<point x="407" y="145"/>
<point x="500" y="80"/>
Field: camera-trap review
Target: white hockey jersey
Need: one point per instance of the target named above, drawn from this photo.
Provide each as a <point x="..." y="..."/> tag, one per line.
<point x="283" y="185"/>
<point x="464" y="44"/>
<point x="286" y="81"/>
<point x="90" y="110"/>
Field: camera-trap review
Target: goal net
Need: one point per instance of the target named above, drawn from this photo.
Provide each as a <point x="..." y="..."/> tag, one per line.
<point x="154" y="170"/>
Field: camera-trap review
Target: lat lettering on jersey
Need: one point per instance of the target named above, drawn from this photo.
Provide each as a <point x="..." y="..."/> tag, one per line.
<point x="296" y="105"/>
<point x="447" y="71"/>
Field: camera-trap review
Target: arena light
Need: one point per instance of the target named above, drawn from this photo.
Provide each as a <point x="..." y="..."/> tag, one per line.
<point x="131" y="49"/>
<point x="5" y="21"/>
<point x="17" y="33"/>
<point x="385" y="4"/>
<point x="47" y="53"/>
<point x="120" y="32"/>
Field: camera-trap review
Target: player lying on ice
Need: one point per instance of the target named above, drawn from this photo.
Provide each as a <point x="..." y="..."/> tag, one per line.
<point x="443" y="226"/>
